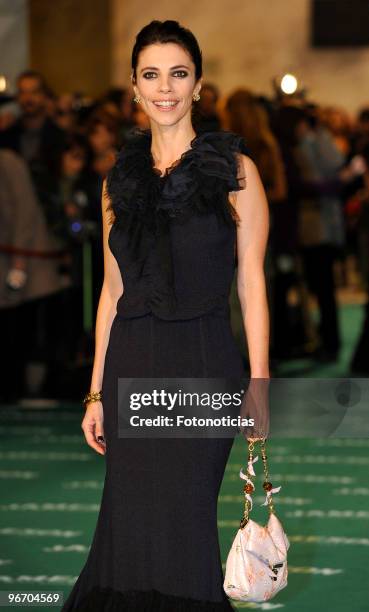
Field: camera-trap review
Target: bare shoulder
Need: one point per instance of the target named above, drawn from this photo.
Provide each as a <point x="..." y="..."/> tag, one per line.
<point x="252" y="190"/>
<point x="248" y="165"/>
<point x="107" y="212"/>
<point x="104" y="193"/>
<point x="253" y="212"/>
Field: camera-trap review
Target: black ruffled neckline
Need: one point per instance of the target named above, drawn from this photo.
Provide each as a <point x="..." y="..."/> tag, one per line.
<point x="145" y="202"/>
<point x="175" y="163"/>
<point x="208" y="170"/>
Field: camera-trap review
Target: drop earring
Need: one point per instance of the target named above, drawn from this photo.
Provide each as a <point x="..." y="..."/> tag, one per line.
<point x="137" y="99"/>
<point x="196" y="97"/>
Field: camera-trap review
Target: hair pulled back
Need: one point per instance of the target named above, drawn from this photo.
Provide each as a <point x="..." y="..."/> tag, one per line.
<point x="168" y="31"/>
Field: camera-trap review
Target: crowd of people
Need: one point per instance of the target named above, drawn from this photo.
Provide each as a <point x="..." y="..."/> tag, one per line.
<point x="55" y="152"/>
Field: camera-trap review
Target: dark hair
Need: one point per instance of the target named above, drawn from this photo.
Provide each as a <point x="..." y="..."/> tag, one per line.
<point x="285" y="122"/>
<point x="168" y="31"/>
<point x="75" y="140"/>
<point x="364" y="114"/>
<point x="115" y="95"/>
<point x="34" y="74"/>
<point x="101" y="117"/>
<point x="312" y="115"/>
<point x="365" y="153"/>
<point x="212" y="88"/>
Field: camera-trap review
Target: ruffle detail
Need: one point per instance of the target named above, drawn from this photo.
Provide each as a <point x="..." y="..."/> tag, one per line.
<point x="108" y="600"/>
<point x="207" y="171"/>
<point x="145" y="203"/>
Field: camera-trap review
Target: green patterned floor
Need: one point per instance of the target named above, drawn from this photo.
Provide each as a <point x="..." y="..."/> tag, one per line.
<point x="51" y="485"/>
<point x="51" y="488"/>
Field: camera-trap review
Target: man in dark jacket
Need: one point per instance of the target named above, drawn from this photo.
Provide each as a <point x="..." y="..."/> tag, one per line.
<point x="39" y="141"/>
<point x="35" y="137"/>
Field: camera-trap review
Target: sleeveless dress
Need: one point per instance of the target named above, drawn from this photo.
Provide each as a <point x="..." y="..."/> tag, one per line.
<point x="156" y="546"/>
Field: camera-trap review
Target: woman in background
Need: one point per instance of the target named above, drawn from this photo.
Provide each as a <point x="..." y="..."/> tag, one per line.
<point x="246" y="116"/>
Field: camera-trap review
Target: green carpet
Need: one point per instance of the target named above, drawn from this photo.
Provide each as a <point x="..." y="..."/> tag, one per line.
<point x="51" y="484"/>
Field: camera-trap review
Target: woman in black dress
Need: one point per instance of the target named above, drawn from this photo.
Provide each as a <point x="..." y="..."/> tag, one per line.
<point x="172" y="237"/>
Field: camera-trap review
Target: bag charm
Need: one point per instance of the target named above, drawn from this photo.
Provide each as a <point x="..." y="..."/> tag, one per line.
<point x="256" y="567"/>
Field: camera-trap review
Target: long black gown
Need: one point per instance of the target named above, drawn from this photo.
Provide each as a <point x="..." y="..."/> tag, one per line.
<point x="156" y="544"/>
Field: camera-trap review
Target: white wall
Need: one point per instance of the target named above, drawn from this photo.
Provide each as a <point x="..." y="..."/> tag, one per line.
<point x="247" y="42"/>
<point x="13" y="38"/>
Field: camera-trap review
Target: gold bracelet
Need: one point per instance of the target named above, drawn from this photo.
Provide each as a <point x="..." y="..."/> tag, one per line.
<point x="92" y="396"/>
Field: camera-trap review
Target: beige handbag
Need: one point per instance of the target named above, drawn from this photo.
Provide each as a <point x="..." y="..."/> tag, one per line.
<point x="256" y="567"/>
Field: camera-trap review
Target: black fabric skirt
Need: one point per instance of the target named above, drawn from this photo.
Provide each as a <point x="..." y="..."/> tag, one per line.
<point x="156" y="546"/>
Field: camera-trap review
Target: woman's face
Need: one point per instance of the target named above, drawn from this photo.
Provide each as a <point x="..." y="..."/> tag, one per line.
<point x="73" y="161"/>
<point x="165" y="82"/>
<point x="100" y="138"/>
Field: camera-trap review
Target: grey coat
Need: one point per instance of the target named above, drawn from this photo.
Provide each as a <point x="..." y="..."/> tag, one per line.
<point x="23" y="226"/>
<point x="321" y="219"/>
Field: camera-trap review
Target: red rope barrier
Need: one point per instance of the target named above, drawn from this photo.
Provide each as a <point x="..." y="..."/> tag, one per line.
<point x="4" y="248"/>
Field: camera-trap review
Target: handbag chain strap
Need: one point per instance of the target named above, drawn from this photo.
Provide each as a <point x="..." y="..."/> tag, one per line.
<point x="249" y="487"/>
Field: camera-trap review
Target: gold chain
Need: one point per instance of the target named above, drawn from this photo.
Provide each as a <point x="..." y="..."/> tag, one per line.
<point x="249" y="487"/>
<point x="267" y="485"/>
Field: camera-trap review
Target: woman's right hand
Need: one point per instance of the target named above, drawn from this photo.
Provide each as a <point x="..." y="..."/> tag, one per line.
<point x="92" y="426"/>
<point x="255" y="405"/>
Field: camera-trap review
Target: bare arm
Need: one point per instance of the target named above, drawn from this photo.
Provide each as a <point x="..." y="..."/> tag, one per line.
<point x="252" y="235"/>
<point x="112" y="289"/>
